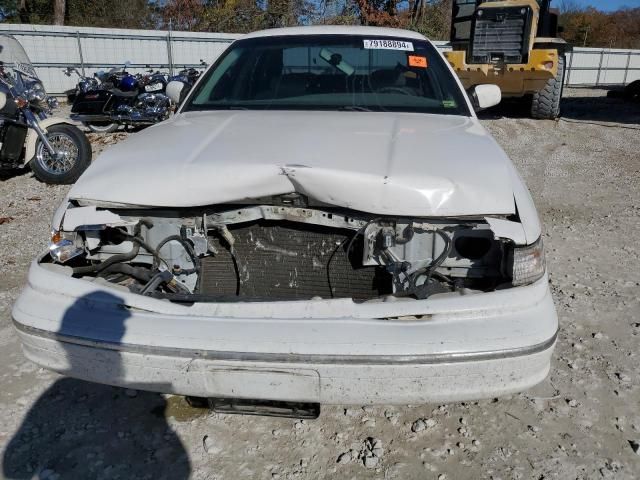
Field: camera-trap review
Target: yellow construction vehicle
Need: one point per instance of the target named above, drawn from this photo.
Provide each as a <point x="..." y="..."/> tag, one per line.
<point x="512" y="44"/>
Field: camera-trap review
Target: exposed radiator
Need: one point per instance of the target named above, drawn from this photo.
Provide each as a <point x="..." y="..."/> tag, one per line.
<point x="289" y="261"/>
<point x="501" y="35"/>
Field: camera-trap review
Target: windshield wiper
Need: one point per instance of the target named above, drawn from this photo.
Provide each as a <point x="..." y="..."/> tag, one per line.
<point x="354" y="108"/>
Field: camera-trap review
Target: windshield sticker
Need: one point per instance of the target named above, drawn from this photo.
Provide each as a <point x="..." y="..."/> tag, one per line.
<point x="25" y="68"/>
<point x="388" y="45"/>
<point x="417" y="61"/>
<point x="449" y="104"/>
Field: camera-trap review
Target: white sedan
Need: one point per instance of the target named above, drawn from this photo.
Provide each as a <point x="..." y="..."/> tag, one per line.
<point x="324" y="220"/>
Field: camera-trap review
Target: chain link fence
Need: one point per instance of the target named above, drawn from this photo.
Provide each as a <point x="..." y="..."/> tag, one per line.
<point x="53" y="48"/>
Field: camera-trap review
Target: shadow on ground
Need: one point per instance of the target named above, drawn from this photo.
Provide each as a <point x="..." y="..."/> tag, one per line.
<point x="81" y="430"/>
<point x="78" y="429"/>
<point x="577" y="107"/>
<point x="6" y="174"/>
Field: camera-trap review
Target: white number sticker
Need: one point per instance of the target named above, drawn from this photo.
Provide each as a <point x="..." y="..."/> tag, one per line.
<point x="154" y="87"/>
<point x="382" y="44"/>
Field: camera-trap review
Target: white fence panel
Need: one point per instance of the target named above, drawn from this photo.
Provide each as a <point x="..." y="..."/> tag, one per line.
<point x="53" y="48"/>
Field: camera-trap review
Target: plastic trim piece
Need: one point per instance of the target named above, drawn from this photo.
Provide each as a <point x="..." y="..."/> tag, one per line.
<point x="295" y="358"/>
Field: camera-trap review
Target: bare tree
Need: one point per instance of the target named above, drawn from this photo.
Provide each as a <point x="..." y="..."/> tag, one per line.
<point x="59" y="7"/>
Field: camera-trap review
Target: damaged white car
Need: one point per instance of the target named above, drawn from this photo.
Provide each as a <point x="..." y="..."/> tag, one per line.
<point x="324" y="220"/>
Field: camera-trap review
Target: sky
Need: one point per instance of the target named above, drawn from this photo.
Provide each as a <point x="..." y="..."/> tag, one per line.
<point x="606" y="5"/>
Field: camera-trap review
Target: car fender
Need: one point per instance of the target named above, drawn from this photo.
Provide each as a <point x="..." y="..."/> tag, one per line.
<point x="32" y="136"/>
<point x="525" y="207"/>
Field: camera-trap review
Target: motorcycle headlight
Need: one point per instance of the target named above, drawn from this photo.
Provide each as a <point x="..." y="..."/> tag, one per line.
<point x="52" y="102"/>
<point x="64" y="246"/>
<point x="528" y="263"/>
<point x="36" y="95"/>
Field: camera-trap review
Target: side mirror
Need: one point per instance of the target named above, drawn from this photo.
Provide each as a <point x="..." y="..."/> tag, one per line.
<point x="173" y="91"/>
<point x="485" y="96"/>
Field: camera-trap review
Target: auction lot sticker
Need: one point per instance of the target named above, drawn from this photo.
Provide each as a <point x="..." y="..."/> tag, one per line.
<point x="388" y="45"/>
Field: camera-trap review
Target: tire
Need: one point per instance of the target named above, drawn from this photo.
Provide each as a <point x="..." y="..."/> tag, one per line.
<point x="102" y="127"/>
<point x="632" y="91"/>
<point x="75" y="146"/>
<point x="546" y="103"/>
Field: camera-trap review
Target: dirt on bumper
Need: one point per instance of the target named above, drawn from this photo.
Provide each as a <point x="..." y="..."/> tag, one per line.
<point x="462" y="348"/>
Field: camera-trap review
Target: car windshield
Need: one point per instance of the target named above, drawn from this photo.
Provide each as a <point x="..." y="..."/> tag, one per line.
<point x="330" y="72"/>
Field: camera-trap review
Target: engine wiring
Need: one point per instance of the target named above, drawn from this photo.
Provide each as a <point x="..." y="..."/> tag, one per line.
<point x="188" y="248"/>
<point x="115" y="263"/>
<point x="123" y="257"/>
<point x="429" y="270"/>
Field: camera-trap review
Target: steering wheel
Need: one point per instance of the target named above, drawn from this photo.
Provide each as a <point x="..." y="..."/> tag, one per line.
<point x="400" y="90"/>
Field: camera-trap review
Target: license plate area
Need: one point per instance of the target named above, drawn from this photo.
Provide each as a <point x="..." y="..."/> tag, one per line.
<point x="268" y="408"/>
<point x="299" y="385"/>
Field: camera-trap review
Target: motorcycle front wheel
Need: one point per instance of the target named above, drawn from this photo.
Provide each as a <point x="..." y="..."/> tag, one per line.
<point x="74" y="155"/>
<point x="102" y="127"/>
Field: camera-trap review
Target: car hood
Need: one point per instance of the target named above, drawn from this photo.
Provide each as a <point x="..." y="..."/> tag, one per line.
<point x="382" y="163"/>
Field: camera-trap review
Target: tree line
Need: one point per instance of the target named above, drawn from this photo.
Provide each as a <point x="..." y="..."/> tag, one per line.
<point x="582" y="27"/>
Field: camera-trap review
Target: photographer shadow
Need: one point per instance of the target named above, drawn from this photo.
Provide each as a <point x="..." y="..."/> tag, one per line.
<point x="78" y="429"/>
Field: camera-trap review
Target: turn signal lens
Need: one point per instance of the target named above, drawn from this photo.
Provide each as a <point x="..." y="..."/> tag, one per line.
<point x="21" y="102"/>
<point x="528" y="263"/>
<point x="56" y="236"/>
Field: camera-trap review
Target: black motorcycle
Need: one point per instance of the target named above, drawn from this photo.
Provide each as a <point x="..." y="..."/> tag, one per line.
<point x="57" y="151"/>
<point x="122" y="99"/>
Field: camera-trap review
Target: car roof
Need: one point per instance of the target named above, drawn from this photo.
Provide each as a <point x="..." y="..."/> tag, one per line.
<point x="337" y="30"/>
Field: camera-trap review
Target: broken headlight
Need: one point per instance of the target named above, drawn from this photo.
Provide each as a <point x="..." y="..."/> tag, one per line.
<point x="63" y="246"/>
<point x="528" y="263"/>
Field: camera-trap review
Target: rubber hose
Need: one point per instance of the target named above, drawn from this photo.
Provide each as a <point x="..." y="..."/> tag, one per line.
<point x="122" y="257"/>
<point x="139" y="273"/>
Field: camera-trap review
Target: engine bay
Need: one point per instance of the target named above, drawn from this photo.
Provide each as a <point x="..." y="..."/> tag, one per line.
<point x="269" y="252"/>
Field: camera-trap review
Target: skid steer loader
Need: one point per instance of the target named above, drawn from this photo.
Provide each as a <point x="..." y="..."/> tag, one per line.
<point x="513" y="44"/>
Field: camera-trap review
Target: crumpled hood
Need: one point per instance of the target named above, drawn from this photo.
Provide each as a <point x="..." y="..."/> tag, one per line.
<point x="382" y="163"/>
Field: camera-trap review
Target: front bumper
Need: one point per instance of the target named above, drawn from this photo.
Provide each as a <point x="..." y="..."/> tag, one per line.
<point x="326" y="351"/>
<point x="513" y="79"/>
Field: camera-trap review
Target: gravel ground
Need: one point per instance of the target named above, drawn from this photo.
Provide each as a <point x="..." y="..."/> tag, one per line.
<point x="582" y="422"/>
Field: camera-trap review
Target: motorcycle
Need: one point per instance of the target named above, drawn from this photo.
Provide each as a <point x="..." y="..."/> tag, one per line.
<point x="84" y="84"/>
<point x="55" y="149"/>
<point x="188" y="77"/>
<point x="122" y="99"/>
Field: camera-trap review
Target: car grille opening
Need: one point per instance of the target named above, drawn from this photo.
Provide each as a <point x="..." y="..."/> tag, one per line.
<point x="289" y="261"/>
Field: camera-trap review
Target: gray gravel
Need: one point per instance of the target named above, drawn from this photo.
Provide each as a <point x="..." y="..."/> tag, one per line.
<point x="583" y="422"/>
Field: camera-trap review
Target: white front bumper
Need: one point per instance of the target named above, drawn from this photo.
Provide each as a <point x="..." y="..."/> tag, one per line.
<point x="327" y="351"/>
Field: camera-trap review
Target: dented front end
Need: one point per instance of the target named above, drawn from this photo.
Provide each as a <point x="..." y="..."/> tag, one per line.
<point x="282" y="298"/>
<point x="286" y="249"/>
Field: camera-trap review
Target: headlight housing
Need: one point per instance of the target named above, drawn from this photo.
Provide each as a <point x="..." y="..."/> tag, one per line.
<point x="63" y="246"/>
<point x="528" y="263"/>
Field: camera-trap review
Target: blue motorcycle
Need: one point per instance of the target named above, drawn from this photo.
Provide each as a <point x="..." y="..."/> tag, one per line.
<point x="122" y="99"/>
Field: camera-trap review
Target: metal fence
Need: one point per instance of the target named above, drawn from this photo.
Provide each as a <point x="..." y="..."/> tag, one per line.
<point x="53" y="48"/>
<point x="602" y="66"/>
